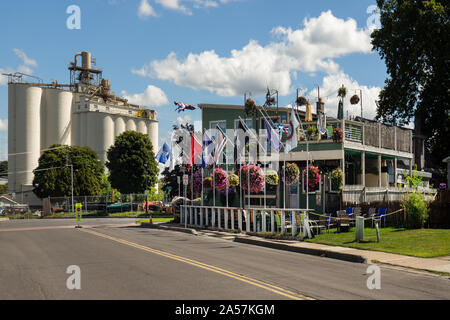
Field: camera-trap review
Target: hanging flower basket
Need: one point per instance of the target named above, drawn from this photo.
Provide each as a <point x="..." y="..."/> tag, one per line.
<point x="256" y="178"/>
<point x="337" y="135"/>
<point x="271" y="177"/>
<point x="337" y="178"/>
<point x="292" y="173"/>
<point x="354" y="99"/>
<point x="301" y="101"/>
<point x="233" y="180"/>
<point x="342" y="92"/>
<point x="250" y="107"/>
<point x="197" y="184"/>
<point x="271" y="101"/>
<point x="207" y="183"/>
<point x="220" y="179"/>
<point x="313" y="178"/>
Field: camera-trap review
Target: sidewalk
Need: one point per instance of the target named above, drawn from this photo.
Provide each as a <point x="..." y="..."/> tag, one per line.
<point x="440" y="265"/>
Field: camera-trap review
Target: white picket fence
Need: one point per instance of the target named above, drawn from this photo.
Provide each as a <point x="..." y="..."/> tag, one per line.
<point x="253" y="220"/>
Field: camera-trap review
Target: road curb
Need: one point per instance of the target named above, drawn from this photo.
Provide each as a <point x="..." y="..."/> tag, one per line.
<point x="271" y="244"/>
<point x="315" y="252"/>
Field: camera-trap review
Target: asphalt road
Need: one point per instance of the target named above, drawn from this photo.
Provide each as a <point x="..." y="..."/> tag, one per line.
<point x="121" y="261"/>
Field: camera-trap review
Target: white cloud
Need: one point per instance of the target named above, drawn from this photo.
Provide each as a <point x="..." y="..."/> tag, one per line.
<point x="174" y="5"/>
<point x="254" y="67"/>
<point x="26" y="61"/>
<point x="145" y="10"/>
<point x="328" y="92"/>
<point x="151" y="97"/>
<point x="26" y="67"/>
<point x="3" y="125"/>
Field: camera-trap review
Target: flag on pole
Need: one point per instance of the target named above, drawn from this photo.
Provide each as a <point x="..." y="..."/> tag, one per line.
<point x="196" y="149"/>
<point x="208" y="147"/>
<point x="176" y="153"/>
<point x="273" y="137"/>
<point x="163" y="154"/>
<point x="221" y="141"/>
<point x="291" y="142"/>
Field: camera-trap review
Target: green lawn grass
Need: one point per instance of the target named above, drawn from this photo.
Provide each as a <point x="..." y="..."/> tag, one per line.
<point x="154" y="220"/>
<point x="129" y="214"/>
<point x="424" y="243"/>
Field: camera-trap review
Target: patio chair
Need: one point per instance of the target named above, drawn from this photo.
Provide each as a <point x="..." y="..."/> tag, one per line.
<point x="382" y="216"/>
<point x="287" y="223"/>
<point x="343" y="221"/>
<point x="330" y="132"/>
<point x="357" y="211"/>
<point x="349" y="211"/>
<point x="371" y="214"/>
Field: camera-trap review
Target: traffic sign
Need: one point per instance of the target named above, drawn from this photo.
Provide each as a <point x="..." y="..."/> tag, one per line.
<point x="78" y="210"/>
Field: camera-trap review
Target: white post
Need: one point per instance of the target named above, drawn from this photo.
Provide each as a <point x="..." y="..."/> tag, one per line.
<point x="213" y="217"/>
<point x="240" y="220"/>
<point x="232" y="219"/>
<point x="226" y="218"/>
<point x="181" y="214"/>
<point x="247" y="216"/>
<point x="190" y="215"/>
<point x="201" y="216"/>
<point x="254" y="220"/>
<point x="293" y="224"/>
<point x="185" y="217"/>
<point x="206" y="217"/>
<point x="272" y="222"/>
<point x="219" y="220"/>
<point x="283" y="220"/>
<point x="263" y="215"/>
<point x="195" y="216"/>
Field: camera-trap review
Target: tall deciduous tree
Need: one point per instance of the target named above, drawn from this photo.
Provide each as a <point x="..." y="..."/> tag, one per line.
<point x="52" y="177"/>
<point x="131" y="163"/>
<point x="414" y="42"/>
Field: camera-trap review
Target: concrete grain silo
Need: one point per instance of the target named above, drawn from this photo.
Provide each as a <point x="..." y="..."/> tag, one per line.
<point x="83" y="113"/>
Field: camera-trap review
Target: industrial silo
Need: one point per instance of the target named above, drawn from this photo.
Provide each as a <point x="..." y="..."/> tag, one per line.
<point x="107" y="135"/>
<point x="152" y="132"/>
<point x="131" y="125"/>
<point x="27" y="132"/>
<point x="119" y="126"/>
<point x="141" y="126"/>
<point x="57" y="117"/>
<point x="11" y="137"/>
<point x="83" y="129"/>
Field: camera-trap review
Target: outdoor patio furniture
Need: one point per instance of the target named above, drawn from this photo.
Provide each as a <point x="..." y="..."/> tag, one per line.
<point x="382" y="216"/>
<point x="349" y="211"/>
<point x="343" y="221"/>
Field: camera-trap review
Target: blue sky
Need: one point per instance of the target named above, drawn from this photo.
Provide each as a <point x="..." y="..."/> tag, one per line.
<point x="197" y="51"/>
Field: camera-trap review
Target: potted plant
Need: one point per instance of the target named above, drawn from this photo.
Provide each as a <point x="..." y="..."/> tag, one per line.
<point x="354" y="99"/>
<point x="292" y="173"/>
<point x="337" y="179"/>
<point x="312" y="132"/>
<point x="256" y="178"/>
<point x="342" y="92"/>
<point x="337" y="135"/>
<point x="233" y="180"/>
<point x="301" y="101"/>
<point x="313" y="178"/>
<point x="220" y="179"/>
<point x="250" y="107"/>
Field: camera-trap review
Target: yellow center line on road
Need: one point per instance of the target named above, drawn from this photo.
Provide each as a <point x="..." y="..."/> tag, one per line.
<point x="254" y="282"/>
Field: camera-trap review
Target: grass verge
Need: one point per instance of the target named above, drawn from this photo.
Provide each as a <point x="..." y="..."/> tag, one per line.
<point x="422" y="243"/>
<point x="159" y="220"/>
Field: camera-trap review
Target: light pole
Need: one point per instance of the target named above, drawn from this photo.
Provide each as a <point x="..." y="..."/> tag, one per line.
<point x="146" y="191"/>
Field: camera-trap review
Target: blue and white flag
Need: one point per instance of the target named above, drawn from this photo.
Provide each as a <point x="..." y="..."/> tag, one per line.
<point x="273" y="137"/>
<point x="163" y="154"/>
<point x="208" y="147"/>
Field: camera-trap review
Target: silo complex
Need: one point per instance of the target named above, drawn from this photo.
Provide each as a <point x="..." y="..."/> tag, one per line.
<point x="82" y="113"/>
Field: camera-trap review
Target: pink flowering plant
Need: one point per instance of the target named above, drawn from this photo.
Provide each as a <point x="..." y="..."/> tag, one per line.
<point x="197" y="183"/>
<point x="313" y="177"/>
<point x="292" y="173"/>
<point x="220" y="179"/>
<point x="256" y="178"/>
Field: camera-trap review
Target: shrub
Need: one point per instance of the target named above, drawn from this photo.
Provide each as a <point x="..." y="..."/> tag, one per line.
<point x="417" y="211"/>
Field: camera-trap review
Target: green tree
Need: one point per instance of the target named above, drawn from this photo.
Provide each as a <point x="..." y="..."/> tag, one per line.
<point x="52" y="177"/>
<point x="131" y="163"/>
<point x="414" y="42"/>
<point x="3" y="188"/>
<point x="4" y="169"/>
